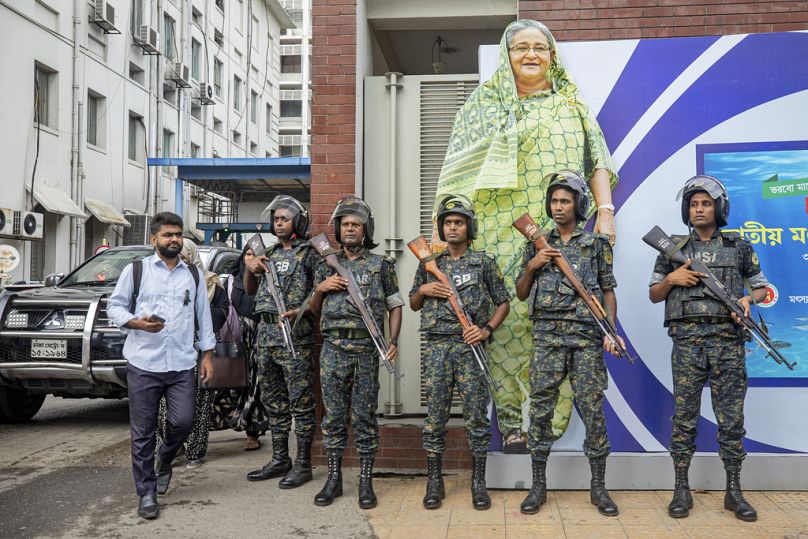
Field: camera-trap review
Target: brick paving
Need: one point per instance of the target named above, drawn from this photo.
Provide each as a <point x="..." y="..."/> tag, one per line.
<point x="569" y="514"/>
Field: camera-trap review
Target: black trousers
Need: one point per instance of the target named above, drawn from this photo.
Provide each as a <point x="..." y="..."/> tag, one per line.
<point x="145" y="390"/>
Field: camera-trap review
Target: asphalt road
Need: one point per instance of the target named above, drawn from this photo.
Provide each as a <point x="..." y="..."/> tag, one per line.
<point x="67" y="473"/>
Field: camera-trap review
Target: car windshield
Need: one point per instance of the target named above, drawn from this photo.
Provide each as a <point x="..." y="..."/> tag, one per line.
<point x="104" y="268"/>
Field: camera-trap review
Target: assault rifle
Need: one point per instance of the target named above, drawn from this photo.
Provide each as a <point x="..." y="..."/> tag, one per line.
<point x="660" y="241"/>
<point x="273" y="286"/>
<point x="323" y="247"/>
<point x="421" y="249"/>
<point x="528" y="227"/>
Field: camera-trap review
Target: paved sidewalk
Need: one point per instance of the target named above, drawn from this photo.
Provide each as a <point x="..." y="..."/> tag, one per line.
<point x="400" y="514"/>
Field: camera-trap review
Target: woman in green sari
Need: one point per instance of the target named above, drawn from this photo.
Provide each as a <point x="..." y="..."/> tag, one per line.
<point x="524" y="123"/>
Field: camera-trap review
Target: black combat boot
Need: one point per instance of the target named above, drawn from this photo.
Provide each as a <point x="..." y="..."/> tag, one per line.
<point x="598" y="494"/>
<point x="479" y="495"/>
<point x="280" y="463"/>
<point x="538" y="490"/>
<point x="435" y="491"/>
<point x="301" y="469"/>
<point x="682" y="500"/>
<point x="162" y="471"/>
<point x="733" y="499"/>
<point x="367" y="498"/>
<point x="333" y="485"/>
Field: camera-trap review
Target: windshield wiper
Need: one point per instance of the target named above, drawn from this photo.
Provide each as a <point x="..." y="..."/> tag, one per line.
<point x="91" y="283"/>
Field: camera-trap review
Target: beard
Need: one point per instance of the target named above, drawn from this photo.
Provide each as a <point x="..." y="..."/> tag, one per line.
<point x="169" y="251"/>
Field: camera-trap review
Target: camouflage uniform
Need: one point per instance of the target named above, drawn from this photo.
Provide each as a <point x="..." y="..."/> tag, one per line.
<point x="567" y="341"/>
<point x="349" y="364"/>
<point x="448" y="360"/>
<point x="287" y="384"/>
<point x="708" y="345"/>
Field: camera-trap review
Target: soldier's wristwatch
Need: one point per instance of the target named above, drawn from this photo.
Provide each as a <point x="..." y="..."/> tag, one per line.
<point x="394" y="342"/>
<point x="489" y="329"/>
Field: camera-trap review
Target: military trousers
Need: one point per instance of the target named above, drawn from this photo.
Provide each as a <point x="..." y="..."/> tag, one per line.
<point x="562" y="348"/>
<point x="286" y="387"/>
<point x="722" y="361"/>
<point x="349" y="380"/>
<point x="449" y="364"/>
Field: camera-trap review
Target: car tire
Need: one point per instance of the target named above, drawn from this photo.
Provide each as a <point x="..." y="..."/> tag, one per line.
<point x="17" y="405"/>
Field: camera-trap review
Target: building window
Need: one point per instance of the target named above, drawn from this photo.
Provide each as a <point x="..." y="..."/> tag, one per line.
<point x="217" y="125"/>
<point x="253" y="148"/>
<point x="170" y="95"/>
<point x="168" y="143"/>
<point x="237" y="138"/>
<point x="136" y="73"/>
<point x="291" y="64"/>
<point x="255" y="33"/>
<point x="96" y="119"/>
<point x="268" y="123"/>
<point x="220" y="5"/>
<point x="196" y="109"/>
<point x="168" y="33"/>
<point x="45" y="95"/>
<point x="196" y="54"/>
<point x="291" y="109"/>
<point x="196" y="17"/>
<point x="136" y="16"/>
<point x="218" y="70"/>
<point x="136" y="137"/>
<point x="240" y="16"/>
<point x="254" y="104"/>
<point x="290" y="151"/>
<point x="236" y="93"/>
<point x="195" y="150"/>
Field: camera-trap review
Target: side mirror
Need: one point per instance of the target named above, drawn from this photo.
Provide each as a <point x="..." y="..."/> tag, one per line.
<point x="53" y="279"/>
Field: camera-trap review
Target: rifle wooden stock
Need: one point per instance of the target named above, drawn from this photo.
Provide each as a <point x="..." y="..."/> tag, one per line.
<point x="528" y="227"/>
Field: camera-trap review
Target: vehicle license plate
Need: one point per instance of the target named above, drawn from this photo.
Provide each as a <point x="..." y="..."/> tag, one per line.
<point x="48" y="349"/>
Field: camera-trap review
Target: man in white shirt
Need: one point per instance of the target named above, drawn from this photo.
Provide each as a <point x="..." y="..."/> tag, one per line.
<point x="159" y="316"/>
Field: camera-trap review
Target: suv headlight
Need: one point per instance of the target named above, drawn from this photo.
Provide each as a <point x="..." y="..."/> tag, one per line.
<point x="16" y="319"/>
<point x="74" y="322"/>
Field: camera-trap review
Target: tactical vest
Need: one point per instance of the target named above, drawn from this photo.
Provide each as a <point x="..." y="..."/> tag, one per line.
<point x="437" y="314"/>
<point x="552" y="294"/>
<point x="295" y="284"/>
<point x="721" y="256"/>
<point x="339" y="310"/>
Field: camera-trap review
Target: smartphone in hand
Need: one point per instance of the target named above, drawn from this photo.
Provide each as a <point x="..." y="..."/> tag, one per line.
<point x="156" y="318"/>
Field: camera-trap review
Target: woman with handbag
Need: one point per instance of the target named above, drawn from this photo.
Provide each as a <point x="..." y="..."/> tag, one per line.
<point x="197" y="443"/>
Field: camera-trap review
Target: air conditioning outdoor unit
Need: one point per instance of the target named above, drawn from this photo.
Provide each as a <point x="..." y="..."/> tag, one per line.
<point x="146" y="39"/>
<point x="104" y="17"/>
<point x="179" y="74"/>
<point x="28" y="225"/>
<point x="6" y="222"/>
<point x="204" y="93"/>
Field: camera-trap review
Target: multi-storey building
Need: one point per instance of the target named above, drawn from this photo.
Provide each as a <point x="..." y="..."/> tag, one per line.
<point x="295" y="95"/>
<point x="91" y="89"/>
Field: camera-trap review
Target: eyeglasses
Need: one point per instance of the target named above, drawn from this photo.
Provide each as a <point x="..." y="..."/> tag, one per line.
<point x="540" y="50"/>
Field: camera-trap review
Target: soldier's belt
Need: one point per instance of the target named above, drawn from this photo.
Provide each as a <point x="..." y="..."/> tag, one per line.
<point x="348" y="333"/>
<point x="268" y="318"/>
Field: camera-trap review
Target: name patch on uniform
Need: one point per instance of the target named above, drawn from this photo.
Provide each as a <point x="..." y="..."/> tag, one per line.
<point x="461" y="278"/>
<point x="362" y="279"/>
<point x="706" y="256"/>
<point x="282" y="266"/>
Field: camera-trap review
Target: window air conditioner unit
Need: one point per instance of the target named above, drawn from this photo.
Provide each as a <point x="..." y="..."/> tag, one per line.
<point x="28" y="225"/>
<point x="204" y="93"/>
<point x="179" y="74"/>
<point x="103" y="16"/>
<point x="146" y="39"/>
<point x="6" y="222"/>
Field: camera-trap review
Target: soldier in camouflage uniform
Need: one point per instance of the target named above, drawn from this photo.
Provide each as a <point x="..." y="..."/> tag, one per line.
<point x="707" y="344"/>
<point x="349" y="363"/>
<point x="565" y="337"/>
<point x="286" y="382"/>
<point x="449" y="360"/>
